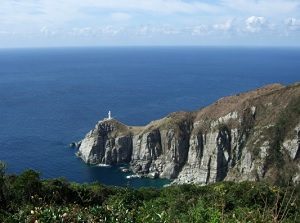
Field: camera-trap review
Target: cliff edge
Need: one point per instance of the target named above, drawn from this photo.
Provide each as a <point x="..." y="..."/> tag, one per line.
<point x="249" y="136"/>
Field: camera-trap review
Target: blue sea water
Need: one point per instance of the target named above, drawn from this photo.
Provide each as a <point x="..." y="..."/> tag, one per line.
<point x="50" y="97"/>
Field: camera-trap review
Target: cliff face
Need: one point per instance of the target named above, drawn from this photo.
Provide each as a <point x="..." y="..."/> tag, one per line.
<point x="250" y="136"/>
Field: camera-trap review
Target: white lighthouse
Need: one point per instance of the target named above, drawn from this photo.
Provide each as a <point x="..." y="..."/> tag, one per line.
<point x="109" y="115"/>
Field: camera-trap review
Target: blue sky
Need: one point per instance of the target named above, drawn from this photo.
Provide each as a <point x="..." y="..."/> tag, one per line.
<point x="45" y="23"/>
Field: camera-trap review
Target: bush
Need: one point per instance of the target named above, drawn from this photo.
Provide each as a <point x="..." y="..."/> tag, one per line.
<point x="29" y="199"/>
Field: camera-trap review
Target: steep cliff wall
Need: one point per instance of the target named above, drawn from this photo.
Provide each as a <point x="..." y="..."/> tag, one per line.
<point x="250" y="136"/>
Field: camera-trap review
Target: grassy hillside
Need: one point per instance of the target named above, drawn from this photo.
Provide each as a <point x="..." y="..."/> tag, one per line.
<point x="27" y="198"/>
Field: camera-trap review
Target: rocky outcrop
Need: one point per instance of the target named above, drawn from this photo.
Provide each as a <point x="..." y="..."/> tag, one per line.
<point x="101" y="145"/>
<point x="249" y="136"/>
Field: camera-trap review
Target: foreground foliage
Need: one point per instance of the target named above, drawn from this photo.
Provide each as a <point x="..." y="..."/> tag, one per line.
<point x="27" y="198"/>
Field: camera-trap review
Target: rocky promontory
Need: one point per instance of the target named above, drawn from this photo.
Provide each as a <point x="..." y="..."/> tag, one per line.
<point x="250" y="136"/>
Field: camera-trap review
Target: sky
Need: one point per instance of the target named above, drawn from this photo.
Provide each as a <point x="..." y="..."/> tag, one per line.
<point x="48" y="23"/>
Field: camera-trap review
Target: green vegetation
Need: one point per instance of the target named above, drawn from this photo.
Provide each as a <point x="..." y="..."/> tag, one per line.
<point x="27" y="198"/>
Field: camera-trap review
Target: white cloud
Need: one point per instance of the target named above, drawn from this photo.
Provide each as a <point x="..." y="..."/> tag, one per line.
<point x="292" y="23"/>
<point x="144" y="30"/>
<point x="30" y="15"/>
<point x="111" y="31"/>
<point x="274" y="27"/>
<point x="61" y="19"/>
<point x="255" y="24"/>
<point x="200" y="30"/>
<point x="151" y="31"/>
<point x="170" y="31"/>
<point x="47" y="32"/>
<point x="227" y="26"/>
<point x="84" y="31"/>
<point x="98" y="32"/>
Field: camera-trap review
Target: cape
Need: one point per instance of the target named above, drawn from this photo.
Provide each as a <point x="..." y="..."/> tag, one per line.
<point x="251" y="136"/>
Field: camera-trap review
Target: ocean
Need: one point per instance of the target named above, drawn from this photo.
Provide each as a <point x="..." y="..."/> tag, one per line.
<point x="50" y="97"/>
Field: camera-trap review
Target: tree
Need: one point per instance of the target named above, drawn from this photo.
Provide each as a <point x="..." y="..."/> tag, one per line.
<point x="2" y="173"/>
<point x="28" y="184"/>
<point x="2" y="169"/>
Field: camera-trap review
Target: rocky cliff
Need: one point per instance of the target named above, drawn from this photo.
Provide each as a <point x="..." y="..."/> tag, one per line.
<point x="249" y="136"/>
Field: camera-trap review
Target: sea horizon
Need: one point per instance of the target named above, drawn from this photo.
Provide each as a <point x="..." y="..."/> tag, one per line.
<point x="154" y="46"/>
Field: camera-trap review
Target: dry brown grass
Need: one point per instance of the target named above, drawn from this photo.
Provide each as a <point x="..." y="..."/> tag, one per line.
<point x="269" y="100"/>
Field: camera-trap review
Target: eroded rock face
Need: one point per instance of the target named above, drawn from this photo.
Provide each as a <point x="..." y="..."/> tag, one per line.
<point x="293" y="145"/>
<point x="229" y="140"/>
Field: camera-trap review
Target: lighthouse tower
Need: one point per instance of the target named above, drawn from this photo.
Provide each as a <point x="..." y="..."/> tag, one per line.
<point x="109" y="115"/>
